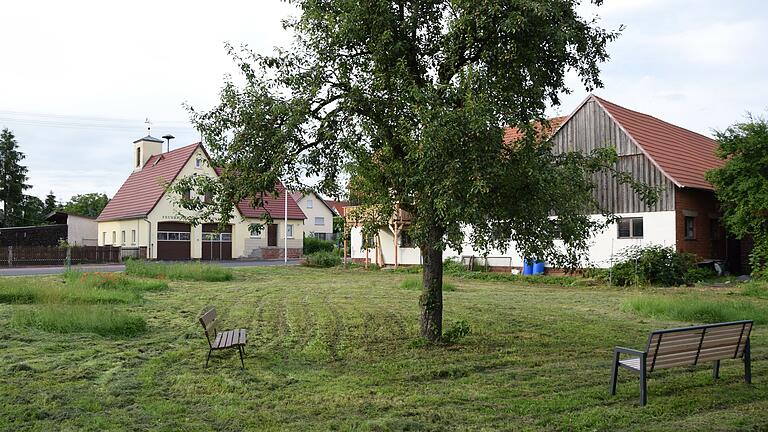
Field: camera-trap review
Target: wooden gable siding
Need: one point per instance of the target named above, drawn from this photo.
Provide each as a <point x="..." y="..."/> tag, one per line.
<point x="591" y="127"/>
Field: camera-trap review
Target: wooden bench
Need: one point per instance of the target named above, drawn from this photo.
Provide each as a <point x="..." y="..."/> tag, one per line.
<point x="686" y="346"/>
<point x="222" y="340"/>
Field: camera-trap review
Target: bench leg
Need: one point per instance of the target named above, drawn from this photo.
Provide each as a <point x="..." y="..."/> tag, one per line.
<point x="716" y="370"/>
<point x="614" y="372"/>
<point x="208" y="358"/>
<point x="747" y="364"/>
<point x="240" y="349"/>
<point x="643" y="382"/>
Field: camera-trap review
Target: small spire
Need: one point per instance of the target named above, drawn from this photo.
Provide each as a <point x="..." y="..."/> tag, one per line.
<point x="149" y="125"/>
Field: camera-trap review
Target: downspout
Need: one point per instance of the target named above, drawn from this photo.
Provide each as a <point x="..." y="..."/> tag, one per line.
<point x="149" y="239"/>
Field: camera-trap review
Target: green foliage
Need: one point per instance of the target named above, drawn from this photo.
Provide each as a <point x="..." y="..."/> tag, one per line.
<point x="414" y="284"/>
<point x="741" y="185"/>
<point x="457" y="331"/>
<point x="695" y="310"/>
<point x="456" y="269"/>
<point x="181" y="271"/>
<point x="312" y="245"/>
<point x="13" y="183"/>
<point x="698" y="274"/>
<point x="322" y="259"/>
<point x="89" y="205"/>
<point x="77" y="288"/>
<point x="81" y="319"/>
<point x="50" y="204"/>
<point x="113" y="281"/>
<point x="654" y="265"/>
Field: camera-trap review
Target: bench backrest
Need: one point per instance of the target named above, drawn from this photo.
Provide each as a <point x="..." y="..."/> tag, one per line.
<point x="689" y="346"/>
<point x="208" y="321"/>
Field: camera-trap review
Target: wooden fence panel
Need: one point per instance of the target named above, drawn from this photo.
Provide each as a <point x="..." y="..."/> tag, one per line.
<point x="52" y="255"/>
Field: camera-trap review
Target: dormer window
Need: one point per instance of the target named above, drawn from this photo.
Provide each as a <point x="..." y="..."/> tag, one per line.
<point x="138" y="157"/>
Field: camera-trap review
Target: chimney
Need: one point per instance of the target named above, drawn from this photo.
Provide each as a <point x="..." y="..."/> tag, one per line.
<point x="145" y="148"/>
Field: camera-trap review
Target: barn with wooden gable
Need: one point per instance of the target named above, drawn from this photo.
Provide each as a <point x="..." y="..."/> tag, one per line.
<point x="656" y="152"/>
<point x="143" y="215"/>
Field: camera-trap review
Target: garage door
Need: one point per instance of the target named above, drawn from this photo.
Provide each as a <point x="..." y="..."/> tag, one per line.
<point x="173" y="241"/>
<point x="217" y="246"/>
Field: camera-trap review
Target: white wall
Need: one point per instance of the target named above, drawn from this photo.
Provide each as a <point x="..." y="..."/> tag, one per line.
<point x="82" y="231"/>
<point x="658" y="228"/>
<point x="319" y="209"/>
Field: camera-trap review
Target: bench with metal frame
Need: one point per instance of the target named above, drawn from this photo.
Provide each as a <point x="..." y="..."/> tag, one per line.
<point x="686" y="346"/>
<point x="222" y="340"/>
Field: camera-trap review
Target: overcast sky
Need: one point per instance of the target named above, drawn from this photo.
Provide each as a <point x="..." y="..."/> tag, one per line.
<point x="78" y="79"/>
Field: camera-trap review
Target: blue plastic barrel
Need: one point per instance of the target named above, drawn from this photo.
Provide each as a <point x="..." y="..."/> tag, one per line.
<point x="538" y="267"/>
<point x="527" y="267"/>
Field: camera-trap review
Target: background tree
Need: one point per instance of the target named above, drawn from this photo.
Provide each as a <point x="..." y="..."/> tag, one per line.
<point x="31" y="211"/>
<point x="741" y="185"/>
<point x="50" y="203"/>
<point x="13" y="179"/>
<point x="90" y="204"/>
<point x="413" y="97"/>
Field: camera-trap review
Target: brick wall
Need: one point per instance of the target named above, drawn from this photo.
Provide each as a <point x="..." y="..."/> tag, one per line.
<point x="273" y="253"/>
<point x="703" y="206"/>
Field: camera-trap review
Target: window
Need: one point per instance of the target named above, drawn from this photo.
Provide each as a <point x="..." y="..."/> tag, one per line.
<point x="310" y="203"/>
<point x="289" y="230"/>
<point x="256" y="232"/>
<point x="133" y="236"/>
<point x="187" y="194"/>
<point x="199" y="162"/>
<point x="174" y="236"/>
<point x="690" y="231"/>
<point x="630" y="227"/>
<point x="208" y="197"/>
<point x="114" y="237"/>
<point x="138" y="157"/>
<point x="405" y="240"/>
<point x="320" y="236"/>
<point x="122" y="237"/>
<point x="226" y="237"/>
<point x="104" y="238"/>
<point x="319" y="220"/>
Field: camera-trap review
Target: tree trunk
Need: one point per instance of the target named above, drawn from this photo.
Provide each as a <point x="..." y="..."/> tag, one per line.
<point x="431" y="300"/>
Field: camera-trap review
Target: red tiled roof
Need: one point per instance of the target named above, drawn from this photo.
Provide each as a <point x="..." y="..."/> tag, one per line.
<point x="275" y="207"/>
<point x="682" y="155"/>
<point x="143" y="189"/>
<point x="512" y="134"/>
<point x="338" y="206"/>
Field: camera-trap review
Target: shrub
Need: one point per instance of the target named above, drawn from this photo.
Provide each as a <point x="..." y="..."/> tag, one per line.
<point x="451" y="266"/>
<point x="312" y="245"/>
<point x="184" y="271"/>
<point x="655" y="265"/>
<point x="694" y="309"/>
<point x="81" y="319"/>
<point x="457" y="331"/>
<point x="755" y="289"/>
<point x="322" y="259"/>
<point x="698" y="274"/>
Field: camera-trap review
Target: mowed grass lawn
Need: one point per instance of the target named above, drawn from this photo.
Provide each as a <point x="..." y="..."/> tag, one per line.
<point x="338" y="350"/>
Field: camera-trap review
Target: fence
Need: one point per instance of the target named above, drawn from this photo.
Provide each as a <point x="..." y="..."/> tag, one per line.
<point x="11" y="256"/>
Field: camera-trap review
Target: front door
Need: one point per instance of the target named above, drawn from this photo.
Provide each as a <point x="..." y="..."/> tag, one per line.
<point x="272" y="235"/>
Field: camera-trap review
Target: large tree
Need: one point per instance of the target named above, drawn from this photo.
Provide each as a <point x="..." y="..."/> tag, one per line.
<point x="412" y="97"/>
<point x="13" y="180"/>
<point x="50" y="203"/>
<point x="90" y="204"/>
<point x="741" y="185"/>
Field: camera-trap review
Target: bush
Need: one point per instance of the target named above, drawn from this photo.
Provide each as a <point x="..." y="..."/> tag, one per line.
<point x="695" y="310"/>
<point x="699" y="274"/>
<point x="654" y="265"/>
<point x="414" y="284"/>
<point x="322" y="259"/>
<point x="185" y="271"/>
<point x="81" y="319"/>
<point x="457" y="331"/>
<point x="312" y="245"/>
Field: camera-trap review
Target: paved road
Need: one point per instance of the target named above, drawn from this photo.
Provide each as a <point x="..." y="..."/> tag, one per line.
<point x="31" y="271"/>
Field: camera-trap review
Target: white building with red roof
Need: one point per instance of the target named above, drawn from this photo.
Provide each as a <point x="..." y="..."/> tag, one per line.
<point x="653" y="151"/>
<point x="142" y="215"/>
